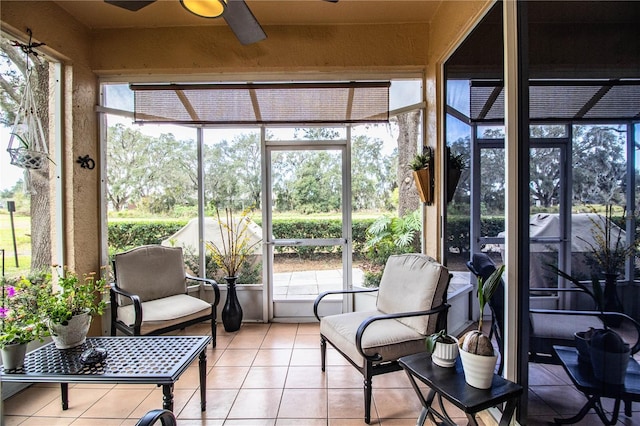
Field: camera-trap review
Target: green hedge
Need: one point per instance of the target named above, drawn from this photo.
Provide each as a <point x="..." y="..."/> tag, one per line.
<point x="459" y="231"/>
<point x="124" y="235"/>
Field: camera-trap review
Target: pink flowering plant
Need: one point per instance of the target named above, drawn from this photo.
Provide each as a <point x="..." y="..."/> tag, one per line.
<point x="20" y="319"/>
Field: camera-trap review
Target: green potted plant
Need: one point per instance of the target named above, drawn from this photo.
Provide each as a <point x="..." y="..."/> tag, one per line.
<point x="610" y="250"/>
<point x="68" y="307"/>
<point x="229" y="253"/>
<point x="476" y="350"/>
<point x="443" y="348"/>
<point x="422" y="174"/>
<point x="20" y="319"/>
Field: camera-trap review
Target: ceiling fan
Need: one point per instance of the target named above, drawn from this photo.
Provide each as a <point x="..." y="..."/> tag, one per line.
<point x="236" y="12"/>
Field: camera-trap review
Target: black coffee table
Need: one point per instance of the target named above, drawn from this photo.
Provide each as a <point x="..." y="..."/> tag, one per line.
<point x="581" y="374"/>
<point x="449" y="383"/>
<point x="156" y="360"/>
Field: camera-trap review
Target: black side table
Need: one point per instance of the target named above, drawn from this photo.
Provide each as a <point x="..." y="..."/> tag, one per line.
<point x="449" y="383"/>
<point x="581" y="374"/>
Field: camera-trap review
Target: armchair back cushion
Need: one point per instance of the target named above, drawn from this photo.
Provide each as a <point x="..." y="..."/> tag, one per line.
<point x="412" y="283"/>
<point x="151" y="272"/>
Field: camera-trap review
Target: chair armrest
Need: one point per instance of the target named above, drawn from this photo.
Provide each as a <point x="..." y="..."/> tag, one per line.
<point x="326" y="293"/>
<point x="554" y="289"/>
<point x="565" y="290"/>
<point x="135" y="299"/>
<point x="210" y="282"/>
<point x="635" y="348"/>
<point x="166" y="417"/>
<point x="367" y="322"/>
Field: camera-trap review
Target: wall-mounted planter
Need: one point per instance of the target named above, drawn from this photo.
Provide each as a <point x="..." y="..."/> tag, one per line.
<point x="424" y="185"/>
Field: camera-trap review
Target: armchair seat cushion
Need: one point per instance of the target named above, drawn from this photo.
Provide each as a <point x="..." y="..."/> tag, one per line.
<point x="552" y="326"/>
<point x="168" y="311"/>
<point x="389" y="338"/>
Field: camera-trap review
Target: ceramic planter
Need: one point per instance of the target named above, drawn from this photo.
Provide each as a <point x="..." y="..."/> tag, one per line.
<point x="478" y="369"/>
<point x="610" y="367"/>
<point x="73" y="334"/>
<point x="13" y="356"/>
<point x="445" y="354"/>
<point x="582" y="345"/>
<point x="232" y="311"/>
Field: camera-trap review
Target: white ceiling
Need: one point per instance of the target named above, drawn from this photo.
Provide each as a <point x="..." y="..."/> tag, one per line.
<point x="96" y="14"/>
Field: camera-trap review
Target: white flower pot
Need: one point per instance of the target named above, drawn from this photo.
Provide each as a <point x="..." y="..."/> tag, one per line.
<point x="478" y="369"/>
<point x="13" y="356"/>
<point x="73" y="334"/>
<point x="445" y="354"/>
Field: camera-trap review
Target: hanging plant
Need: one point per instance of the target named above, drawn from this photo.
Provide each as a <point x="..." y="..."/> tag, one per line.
<point x="27" y="145"/>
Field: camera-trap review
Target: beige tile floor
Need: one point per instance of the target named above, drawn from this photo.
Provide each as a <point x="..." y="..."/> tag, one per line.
<point x="269" y="374"/>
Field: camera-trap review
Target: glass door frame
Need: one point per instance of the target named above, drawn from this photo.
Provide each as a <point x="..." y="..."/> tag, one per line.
<point x="269" y="243"/>
<point x="563" y="241"/>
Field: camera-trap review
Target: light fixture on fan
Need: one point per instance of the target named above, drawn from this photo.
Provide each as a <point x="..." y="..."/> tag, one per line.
<point x="205" y="8"/>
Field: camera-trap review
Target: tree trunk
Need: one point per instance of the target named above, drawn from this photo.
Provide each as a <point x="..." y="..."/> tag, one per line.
<point x="408" y="200"/>
<point x="40" y="205"/>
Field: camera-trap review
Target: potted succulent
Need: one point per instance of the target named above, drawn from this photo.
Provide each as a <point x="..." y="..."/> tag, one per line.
<point x="20" y="320"/>
<point x="422" y="174"/>
<point x="229" y="254"/>
<point x="68" y="309"/>
<point x="443" y="348"/>
<point x="476" y="350"/>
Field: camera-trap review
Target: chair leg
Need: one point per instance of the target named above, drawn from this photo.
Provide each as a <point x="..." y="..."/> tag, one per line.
<point x="367" y="391"/>
<point x="323" y="352"/>
<point x="213" y="332"/>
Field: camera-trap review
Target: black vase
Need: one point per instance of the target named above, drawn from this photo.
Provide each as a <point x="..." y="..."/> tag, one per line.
<point x="232" y="311"/>
<point x="611" y="300"/>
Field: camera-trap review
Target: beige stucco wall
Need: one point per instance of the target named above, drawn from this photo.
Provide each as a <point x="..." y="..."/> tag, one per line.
<point x="215" y="51"/>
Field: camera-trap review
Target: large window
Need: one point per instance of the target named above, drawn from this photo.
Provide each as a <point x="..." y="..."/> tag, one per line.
<point x="326" y="186"/>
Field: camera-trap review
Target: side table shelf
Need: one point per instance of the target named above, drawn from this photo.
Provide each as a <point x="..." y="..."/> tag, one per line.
<point x="449" y="383"/>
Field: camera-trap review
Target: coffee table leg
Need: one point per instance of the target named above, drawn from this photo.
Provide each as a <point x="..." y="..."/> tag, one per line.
<point x="202" y="364"/>
<point x="167" y="397"/>
<point x="64" y="393"/>
<point x="591" y="403"/>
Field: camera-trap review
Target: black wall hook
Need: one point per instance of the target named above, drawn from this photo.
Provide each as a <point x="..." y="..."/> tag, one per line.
<point x="86" y="162"/>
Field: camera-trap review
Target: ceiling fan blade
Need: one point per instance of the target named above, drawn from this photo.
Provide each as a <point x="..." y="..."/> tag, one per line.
<point x="242" y="22"/>
<point x="132" y="5"/>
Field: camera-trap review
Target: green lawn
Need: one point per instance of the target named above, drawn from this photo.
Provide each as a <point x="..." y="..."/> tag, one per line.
<point x="22" y="226"/>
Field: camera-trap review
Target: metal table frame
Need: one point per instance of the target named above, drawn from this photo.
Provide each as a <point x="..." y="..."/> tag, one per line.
<point x="449" y="383"/>
<point x="158" y="360"/>
<point x="581" y="374"/>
